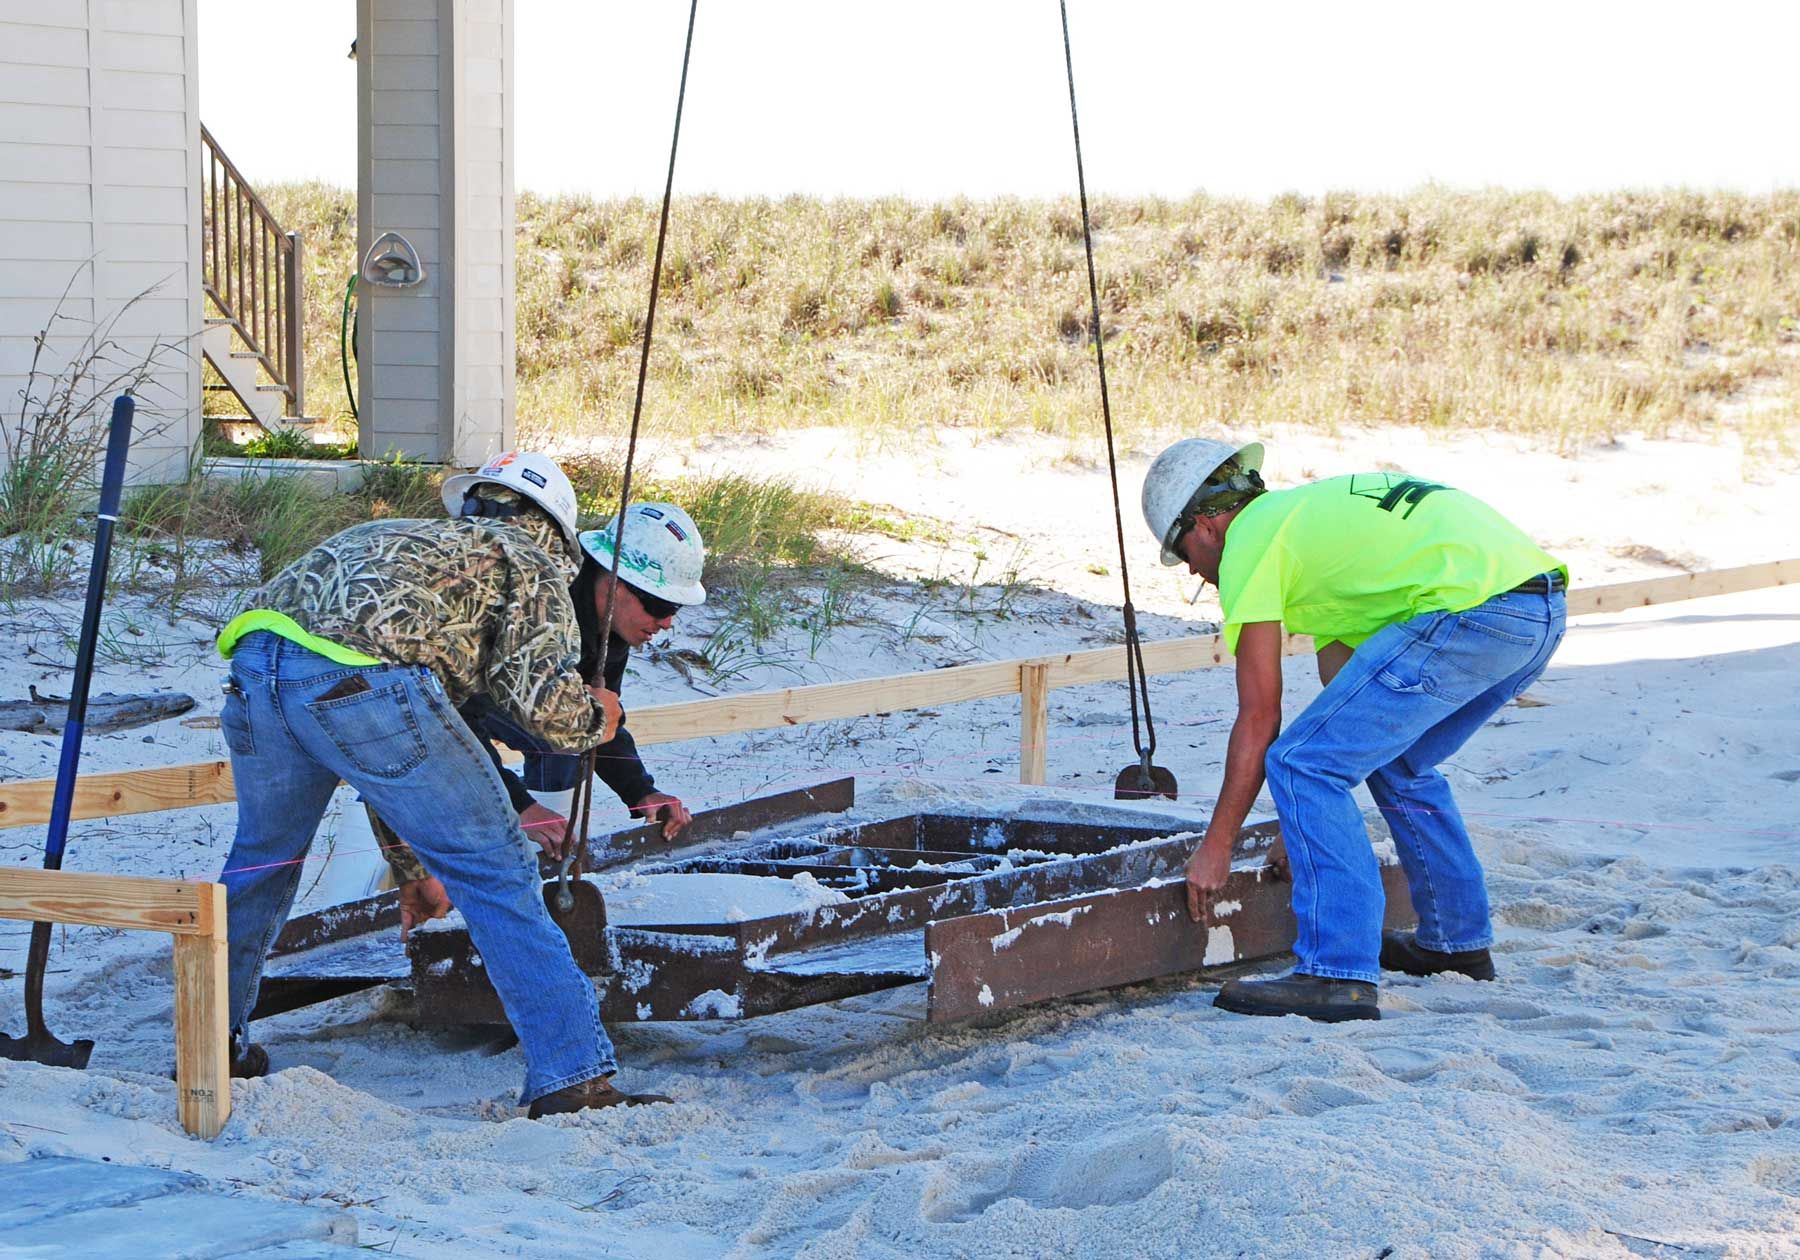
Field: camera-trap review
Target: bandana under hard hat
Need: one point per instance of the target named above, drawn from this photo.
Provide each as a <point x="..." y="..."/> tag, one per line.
<point x="521" y="514"/>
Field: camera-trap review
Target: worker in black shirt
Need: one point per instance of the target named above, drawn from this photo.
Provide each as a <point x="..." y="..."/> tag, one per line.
<point x="661" y="575"/>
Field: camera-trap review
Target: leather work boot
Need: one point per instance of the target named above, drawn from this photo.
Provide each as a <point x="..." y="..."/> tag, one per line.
<point x="596" y="1092"/>
<point x="251" y="1061"/>
<point x="1401" y="951"/>
<point x="1316" y="997"/>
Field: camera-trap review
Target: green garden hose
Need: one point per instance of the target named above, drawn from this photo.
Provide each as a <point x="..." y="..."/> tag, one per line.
<point x="346" y="340"/>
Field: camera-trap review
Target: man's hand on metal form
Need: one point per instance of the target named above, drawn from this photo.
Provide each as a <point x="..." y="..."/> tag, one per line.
<point x="1207" y="870"/>
<point x="545" y="826"/>
<point x="421" y="899"/>
<point x="661" y="807"/>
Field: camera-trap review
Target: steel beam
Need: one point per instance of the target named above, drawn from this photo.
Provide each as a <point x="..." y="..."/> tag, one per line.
<point x="1005" y="958"/>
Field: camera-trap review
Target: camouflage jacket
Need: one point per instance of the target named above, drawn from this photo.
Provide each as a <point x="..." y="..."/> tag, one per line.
<point x="484" y="604"/>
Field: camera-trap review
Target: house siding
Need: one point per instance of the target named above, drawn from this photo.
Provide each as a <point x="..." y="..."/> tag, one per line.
<point x="99" y="200"/>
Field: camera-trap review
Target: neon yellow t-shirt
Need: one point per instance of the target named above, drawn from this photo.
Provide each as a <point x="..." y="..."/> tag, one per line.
<point x="1343" y="558"/>
<point x="285" y="626"/>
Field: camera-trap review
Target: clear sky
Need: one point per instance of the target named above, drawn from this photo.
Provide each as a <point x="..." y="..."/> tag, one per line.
<point x="933" y="98"/>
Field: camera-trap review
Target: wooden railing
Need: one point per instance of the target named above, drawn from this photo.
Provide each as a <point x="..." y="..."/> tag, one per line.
<point x="26" y="802"/>
<point x="192" y="913"/>
<point x="251" y="270"/>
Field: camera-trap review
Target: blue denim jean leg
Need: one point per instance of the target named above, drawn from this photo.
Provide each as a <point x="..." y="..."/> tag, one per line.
<point x="401" y="745"/>
<point x="1408" y="698"/>
<point x="544" y="769"/>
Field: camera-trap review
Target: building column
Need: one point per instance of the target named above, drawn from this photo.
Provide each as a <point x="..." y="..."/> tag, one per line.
<point x="435" y="164"/>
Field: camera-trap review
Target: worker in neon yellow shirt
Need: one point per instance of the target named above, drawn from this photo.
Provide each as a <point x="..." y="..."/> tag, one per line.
<point x="1430" y="611"/>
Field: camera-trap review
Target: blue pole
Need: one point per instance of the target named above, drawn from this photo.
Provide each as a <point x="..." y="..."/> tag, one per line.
<point x="112" y="481"/>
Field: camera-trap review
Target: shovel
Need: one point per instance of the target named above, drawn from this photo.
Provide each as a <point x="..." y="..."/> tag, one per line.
<point x="1143" y="780"/>
<point x="38" y="1045"/>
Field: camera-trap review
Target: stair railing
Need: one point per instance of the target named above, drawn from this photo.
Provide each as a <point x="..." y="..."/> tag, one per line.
<point x="251" y="270"/>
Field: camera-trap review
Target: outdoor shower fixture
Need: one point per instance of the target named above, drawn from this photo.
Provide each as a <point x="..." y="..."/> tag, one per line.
<point x="392" y="263"/>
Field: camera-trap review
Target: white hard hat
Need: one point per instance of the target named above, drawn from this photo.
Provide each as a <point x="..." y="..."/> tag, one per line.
<point x="1176" y="478"/>
<point x="535" y="476"/>
<point x="663" y="553"/>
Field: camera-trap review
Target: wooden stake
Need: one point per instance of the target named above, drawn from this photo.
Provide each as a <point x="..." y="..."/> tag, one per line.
<point x="202" y="1033"/>
<point x="1034" y="722"/>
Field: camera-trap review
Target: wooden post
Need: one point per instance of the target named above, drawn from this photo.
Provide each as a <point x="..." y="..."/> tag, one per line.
<point x="202" y="1035"/>
<point x="1034" y="721"/>
<point x="293" y="321"/>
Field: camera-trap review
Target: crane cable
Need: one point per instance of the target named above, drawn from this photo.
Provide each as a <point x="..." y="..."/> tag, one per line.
<point x="564" y="898"/>
<point x="1136" y="679"/>
<point x="637" y="406"/>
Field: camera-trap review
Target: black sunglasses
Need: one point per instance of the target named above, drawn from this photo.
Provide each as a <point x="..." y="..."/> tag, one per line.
<point x="657" y="608"/>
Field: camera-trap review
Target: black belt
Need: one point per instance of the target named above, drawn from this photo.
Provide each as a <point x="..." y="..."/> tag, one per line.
<point x="1543" y="584"/>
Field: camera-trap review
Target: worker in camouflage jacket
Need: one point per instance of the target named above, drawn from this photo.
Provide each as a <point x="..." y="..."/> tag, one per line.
<point x="661" y="575"/>
<point x="351" y="666"/>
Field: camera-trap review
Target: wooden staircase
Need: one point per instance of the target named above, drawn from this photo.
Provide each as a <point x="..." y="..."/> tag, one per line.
<point x="255" y="297"/>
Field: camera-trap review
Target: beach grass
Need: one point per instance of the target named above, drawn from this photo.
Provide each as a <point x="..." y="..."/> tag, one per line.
<point x="1569" y="321"/>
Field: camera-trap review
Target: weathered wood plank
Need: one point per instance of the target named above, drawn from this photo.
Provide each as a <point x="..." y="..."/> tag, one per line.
<point x="105" y="712"/>
<point x="120" y="901"/>
<point x="772" y="710"/>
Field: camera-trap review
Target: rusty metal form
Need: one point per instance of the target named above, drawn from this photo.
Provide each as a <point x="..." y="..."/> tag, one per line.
<point x="346" y="948"/>
<point x="1005" y="958"/>
<point x="990" y="912"/>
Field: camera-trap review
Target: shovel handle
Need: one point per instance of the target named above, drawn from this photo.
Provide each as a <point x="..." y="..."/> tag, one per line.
<point x="112" y="482"/>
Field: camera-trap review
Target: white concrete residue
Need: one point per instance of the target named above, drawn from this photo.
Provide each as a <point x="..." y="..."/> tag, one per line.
<point x="714" y="1004"/>
<point x="986" y="996"/>
<point x="633" y="899"/>
<point x="757" y="951"/>
<point x="1067" y="918"/>
<point x="1225" y="909"/>
<point x="1219" y="947"/>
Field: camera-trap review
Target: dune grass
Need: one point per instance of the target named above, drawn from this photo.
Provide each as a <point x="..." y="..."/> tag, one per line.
<point x="1568" y="321"/>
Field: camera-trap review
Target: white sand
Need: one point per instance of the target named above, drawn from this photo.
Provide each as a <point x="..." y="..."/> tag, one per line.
<point x="1630" y="1086"/>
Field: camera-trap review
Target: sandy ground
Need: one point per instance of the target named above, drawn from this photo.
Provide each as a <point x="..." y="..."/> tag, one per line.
<point x="1628" y="1087"/>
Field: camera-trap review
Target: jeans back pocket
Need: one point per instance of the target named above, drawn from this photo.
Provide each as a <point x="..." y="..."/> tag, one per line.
<point x="376" y="730"/>
<point x="234" y="724"/>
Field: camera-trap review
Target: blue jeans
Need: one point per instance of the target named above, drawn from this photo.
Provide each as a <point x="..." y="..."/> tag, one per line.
<point x="1408" y="698"/>
<point x="402" y="746"/>
<point x="545" y="769"/>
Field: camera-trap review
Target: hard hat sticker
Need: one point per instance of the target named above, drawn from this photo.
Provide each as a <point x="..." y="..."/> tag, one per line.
<point x="535" y="478"/>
